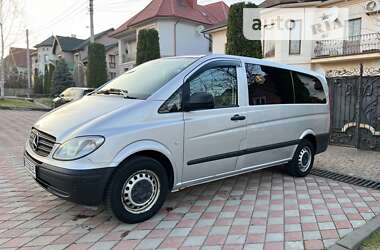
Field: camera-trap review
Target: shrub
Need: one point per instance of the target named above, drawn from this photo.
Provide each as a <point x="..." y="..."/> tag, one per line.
<point x="38" y="87"/>
<point x="237" y="44"/>
<point x="62" y="78"/>
<point x="148" y="46"/>
<point x="97" y="65"/>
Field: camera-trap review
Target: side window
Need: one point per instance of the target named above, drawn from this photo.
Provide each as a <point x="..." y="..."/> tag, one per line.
<point x="269" y="85"/>
<point x="220" y="82"/>
<point x="308" y="89"/>
<point x="173" y="104"/>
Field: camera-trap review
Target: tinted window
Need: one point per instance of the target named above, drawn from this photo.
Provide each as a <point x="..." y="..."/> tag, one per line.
<point x="308" y="89"/>
<point x="220" y="82"/>
<point x="269" y="85"/>
<point x="173" y="104"/>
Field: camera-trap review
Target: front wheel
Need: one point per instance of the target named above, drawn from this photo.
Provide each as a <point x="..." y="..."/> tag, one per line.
<point x="137" y="190"/>
<point x="303" y="159"/>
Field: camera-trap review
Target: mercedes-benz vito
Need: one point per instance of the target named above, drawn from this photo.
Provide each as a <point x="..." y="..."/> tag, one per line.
<point x="176" y="122"/>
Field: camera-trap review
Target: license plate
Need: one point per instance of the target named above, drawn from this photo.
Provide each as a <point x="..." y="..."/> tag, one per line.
<point x="30" y="167"/>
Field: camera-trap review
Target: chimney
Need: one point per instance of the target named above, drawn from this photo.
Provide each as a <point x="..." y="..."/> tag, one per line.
<point x="192" y="3"/>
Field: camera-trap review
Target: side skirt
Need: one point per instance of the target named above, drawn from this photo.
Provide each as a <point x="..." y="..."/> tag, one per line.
<point x="186" y="184"/>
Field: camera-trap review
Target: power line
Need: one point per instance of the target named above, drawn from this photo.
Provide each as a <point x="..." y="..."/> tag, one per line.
<point x="64" y="15"/>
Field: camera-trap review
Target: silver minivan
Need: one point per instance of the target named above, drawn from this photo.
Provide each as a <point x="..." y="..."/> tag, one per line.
<point x="176" y="122"/>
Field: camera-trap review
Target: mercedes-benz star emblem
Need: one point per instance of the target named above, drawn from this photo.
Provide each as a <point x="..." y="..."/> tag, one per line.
<point x="36" y="140"/>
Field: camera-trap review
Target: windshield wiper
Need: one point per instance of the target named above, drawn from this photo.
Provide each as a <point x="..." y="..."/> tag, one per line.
<point x="112" y="91"/>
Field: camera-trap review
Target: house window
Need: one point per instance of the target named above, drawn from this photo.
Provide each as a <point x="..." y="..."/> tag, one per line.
<point x="269" y="45"/>
<point x="112" y="75"/>
<point x="354" y="28"/>
<point x="295" y="38"/>
<point x="112" y="61"/>
<point x="352" y="44"/>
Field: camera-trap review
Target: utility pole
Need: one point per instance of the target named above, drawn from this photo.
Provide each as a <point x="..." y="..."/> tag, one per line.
<point x="2" y="66"/>
<point x="92" y="39"/>
<point x="28" y="61"/>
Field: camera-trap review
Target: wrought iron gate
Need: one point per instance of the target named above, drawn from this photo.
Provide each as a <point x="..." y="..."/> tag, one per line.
<point x="355" y="108"/>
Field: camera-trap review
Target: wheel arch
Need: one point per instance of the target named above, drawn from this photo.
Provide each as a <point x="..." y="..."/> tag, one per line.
<point x="151" y="149"/>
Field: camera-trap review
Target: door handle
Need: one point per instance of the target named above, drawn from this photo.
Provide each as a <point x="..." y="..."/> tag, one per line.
<point x="238" y="117"/>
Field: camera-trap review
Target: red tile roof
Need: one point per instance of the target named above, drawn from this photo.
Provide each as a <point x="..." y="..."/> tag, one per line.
<point x="187" y="9"/>
<point x="18" y="56"/>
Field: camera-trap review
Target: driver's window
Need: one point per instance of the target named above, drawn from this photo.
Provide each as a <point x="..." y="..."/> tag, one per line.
<point x="220" y="82"/>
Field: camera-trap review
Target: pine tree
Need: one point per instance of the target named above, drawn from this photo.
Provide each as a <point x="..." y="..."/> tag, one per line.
<point x="97" y="66"/>
<point x="148" y="46"/>
<point x="237" y="44"/>
<point x="62" y="78"/>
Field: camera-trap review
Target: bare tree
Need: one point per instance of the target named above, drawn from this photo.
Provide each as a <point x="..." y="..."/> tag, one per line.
<point x="10" y="25"/>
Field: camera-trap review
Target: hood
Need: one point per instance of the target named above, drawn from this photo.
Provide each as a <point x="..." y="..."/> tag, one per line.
<point x="68" y="118"/>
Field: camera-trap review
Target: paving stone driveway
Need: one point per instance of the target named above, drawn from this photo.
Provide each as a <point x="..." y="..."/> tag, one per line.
<point x="261" y="210"/>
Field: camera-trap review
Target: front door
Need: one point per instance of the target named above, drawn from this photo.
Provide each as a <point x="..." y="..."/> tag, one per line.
<point x="213" y="136"/>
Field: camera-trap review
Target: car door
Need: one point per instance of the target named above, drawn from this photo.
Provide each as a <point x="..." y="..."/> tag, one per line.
<point x="213" y="136"/>
<point x="272" y="118"/>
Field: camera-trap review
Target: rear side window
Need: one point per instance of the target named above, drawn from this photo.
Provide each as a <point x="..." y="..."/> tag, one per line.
<point x="308" y="89"/>
<point x="269" y="85"/>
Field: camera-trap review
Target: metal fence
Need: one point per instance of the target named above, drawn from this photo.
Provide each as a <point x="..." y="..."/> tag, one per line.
<point x="355" y="108"/>
<point x="366" y="43"/>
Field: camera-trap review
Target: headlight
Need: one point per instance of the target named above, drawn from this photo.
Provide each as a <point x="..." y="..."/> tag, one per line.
<point x="78" y="147"/>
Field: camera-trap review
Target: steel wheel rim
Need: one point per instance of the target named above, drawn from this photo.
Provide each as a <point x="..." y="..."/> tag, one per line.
<point x="304" y="159"/>
<point x="140" y="191"/>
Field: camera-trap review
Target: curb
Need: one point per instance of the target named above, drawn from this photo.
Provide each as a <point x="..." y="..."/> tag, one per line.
<point x="25" y="109"/>
<point x="353" y="239"/>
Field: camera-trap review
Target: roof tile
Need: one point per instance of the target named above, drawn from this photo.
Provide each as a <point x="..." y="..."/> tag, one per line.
<point x="187" y="9"/>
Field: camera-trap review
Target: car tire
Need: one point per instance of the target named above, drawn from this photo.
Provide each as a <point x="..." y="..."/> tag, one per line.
<point x="137" y="189"/>
<point x="303" y="159"/>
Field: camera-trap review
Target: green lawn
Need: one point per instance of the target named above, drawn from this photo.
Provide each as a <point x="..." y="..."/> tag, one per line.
<point x="45" y="101"/>
<point x="373" y="242"/>
<point x="17" y="103"/>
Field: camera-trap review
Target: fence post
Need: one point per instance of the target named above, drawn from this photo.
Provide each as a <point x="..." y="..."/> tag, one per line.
<point x="359" y="106"/>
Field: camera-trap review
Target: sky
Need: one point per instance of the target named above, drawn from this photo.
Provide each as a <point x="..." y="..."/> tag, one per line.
<point x="44" y="18"/>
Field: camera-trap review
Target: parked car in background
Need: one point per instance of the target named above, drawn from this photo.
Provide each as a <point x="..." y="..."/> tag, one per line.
<point x="176" y="122"/>
<point x="70" y="94"/>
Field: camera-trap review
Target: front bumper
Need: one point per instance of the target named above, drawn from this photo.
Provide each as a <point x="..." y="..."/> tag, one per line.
<point x="85" y="187"/>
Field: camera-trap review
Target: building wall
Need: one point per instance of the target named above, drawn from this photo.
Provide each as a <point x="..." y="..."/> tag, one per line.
<point x="166" y="31"/>
<point x="44" y="56"/>
<point x="219" y="41"/>
<point x="112" y="72"/>
<point x="369" y="24"/>
<point x="190" y="41"/>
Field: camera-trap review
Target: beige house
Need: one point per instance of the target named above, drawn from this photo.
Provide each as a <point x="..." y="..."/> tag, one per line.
<point x="218" y="36"/>
<point x="75" y="52"/>
<point x="361" y="43"/>
<point x="179" y="24"/>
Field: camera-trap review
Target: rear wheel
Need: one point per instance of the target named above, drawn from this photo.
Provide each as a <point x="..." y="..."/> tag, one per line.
<point x="303" y="159"/>
<point x="137" y="190"/>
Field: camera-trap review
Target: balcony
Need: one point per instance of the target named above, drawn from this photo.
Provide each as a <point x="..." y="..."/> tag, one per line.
<point x="355" y="45"/>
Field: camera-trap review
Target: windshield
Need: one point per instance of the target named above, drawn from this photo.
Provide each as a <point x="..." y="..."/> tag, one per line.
<point x="145" y="79"/>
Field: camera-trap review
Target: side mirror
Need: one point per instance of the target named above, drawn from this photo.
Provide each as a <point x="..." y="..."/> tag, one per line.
<point x="198" y="101"/>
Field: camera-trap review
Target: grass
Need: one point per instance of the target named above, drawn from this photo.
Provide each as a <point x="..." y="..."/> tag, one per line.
<point x="45" y="101"/>
<point x="17" y="103"/>
<point x="372" y="243"/>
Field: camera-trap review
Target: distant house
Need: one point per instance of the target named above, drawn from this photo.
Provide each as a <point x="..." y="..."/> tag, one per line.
<point x="179" y="24"/>
<point x="44" y="55"/>
<point x="16" y="69"/>
<point x="218" y="36"/>
<point x="16" y="62"/>
<point x="81" y="56"/>
<point x="65" y="47"/>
